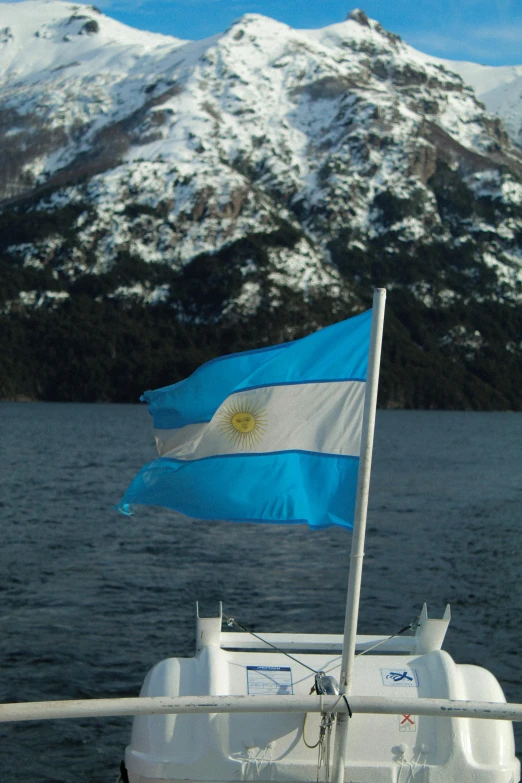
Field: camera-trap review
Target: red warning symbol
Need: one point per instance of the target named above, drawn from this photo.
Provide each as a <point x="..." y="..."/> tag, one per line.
<point x="407" y="723"/>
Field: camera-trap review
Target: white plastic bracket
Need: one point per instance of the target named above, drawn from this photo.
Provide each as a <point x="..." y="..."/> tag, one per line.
<point x="430" y="634"/>
<point x="208" y="629"/>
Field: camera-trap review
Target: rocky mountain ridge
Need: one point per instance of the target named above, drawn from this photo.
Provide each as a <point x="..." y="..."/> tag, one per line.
<point x="499" y="88"/>
<point x="243" y="190"/>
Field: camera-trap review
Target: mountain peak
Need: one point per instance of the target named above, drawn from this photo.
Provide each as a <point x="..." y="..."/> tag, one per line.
<point x="358" y="15"/>
<point x="257" y="24"/>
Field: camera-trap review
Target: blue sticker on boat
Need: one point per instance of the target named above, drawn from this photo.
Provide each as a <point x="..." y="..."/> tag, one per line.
<point x="401" y="677"/>
<point x="269" y="681"/>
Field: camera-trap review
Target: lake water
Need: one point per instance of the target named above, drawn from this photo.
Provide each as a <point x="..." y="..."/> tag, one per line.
<point x="92" y="599"/>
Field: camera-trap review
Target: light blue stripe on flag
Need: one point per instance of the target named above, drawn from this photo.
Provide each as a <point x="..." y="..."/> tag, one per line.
<point x="338" y="352"/>
<point x="284" y="487"/>
<point x="270" y="436"/>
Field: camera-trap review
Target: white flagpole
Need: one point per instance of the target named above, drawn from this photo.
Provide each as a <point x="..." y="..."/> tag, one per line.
<point x="359" y="529"/>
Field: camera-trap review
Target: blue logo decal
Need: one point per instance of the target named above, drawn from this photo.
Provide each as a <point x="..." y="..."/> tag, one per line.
<point x="402" y="677"/>
<point x="398" y="676"/>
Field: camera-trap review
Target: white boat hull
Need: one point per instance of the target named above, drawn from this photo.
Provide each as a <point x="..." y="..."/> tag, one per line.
<point x="222" y="748"/>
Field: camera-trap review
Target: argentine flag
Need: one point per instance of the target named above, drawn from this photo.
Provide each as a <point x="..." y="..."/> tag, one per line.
<point x="271" y="435"/>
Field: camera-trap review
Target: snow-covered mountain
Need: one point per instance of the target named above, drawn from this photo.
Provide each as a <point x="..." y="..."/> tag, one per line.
<point x="260" y="181"/>
<point x="499" y="88"/>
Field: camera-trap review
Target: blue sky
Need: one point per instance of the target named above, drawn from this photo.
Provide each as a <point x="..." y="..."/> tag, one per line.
<point x="484" y="31"/>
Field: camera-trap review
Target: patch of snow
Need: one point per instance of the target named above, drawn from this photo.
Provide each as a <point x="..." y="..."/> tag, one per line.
<point x="431" y="297"/>
<point x="302" y="269"/>
<point x="468" y="340"/>
<point x="511" y="192"/>
<point x="248" y="300"/>
<point x="36" y="299"/>
<point x="508" y="270"/>
<point x="514" y="347"/>
<point x="143" y="292"/>
<point x="447" y="297"/>
<point x="410" y="229"/>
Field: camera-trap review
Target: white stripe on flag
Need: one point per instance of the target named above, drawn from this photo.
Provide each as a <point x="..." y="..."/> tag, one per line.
<point x="318" y="417"/>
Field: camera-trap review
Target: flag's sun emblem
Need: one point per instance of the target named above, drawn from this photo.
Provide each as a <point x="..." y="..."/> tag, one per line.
<point x="243" y="422"/>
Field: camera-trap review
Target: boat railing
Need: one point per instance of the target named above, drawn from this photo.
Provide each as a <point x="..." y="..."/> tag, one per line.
<point x="161" y="705"/>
